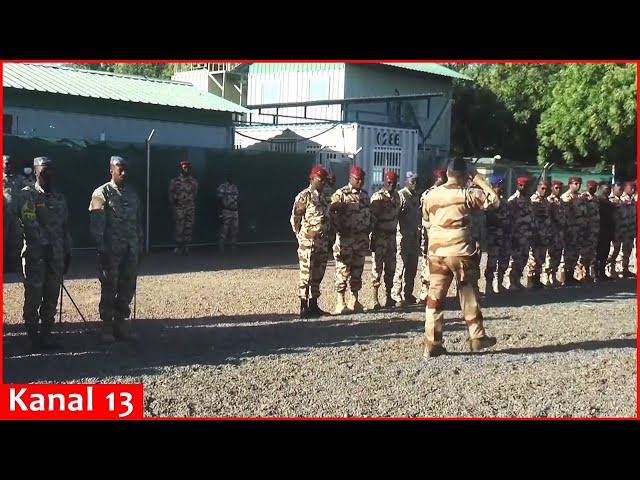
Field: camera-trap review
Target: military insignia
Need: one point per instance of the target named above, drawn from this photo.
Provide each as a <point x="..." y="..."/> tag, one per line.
<point x="28" y="211"/>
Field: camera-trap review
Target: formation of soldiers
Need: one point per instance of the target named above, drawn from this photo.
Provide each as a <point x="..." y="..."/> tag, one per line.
<point x="561" y="239"/>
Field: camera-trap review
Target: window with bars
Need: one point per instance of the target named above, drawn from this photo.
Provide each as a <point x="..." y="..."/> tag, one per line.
<point x="283" y="147"/>
<point x="385" y="159"/>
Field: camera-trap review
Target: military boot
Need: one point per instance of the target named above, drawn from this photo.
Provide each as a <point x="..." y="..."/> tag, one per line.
<point x="389" y="301"/>
<point x="314" y="310"/>
<point x="478" y="344"/>
<point x="34" y="338"/>
<point x="122" y="330"/>
<point x="304" y="308"/>
<point x="106" y="335"/>
<point x="341" y="306"/>
<point x="626" y="273"/>
<point x="356" y="306"/>
<point x="500" y="282"/>
<point x="488" y="285"/>
<point x="376" y="303"/>
<point x="47" y="340"/>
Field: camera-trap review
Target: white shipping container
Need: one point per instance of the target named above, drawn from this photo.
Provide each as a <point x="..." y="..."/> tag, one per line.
<point x="376" y="149"/>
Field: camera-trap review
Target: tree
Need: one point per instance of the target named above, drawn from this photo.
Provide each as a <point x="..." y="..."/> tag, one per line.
<point x="592" y="116"/>
<point x="150" y="70"/>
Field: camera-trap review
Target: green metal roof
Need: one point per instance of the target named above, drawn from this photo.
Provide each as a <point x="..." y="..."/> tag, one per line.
<point x="110" y="86"/>
<point x="432" y="68"/>
<point x="288" y="67"/>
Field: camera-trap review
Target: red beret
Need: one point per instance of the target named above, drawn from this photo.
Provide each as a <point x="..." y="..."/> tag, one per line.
<point x="556" y="183"/>
<point x="575" y="180"/>
<point x="523" y="180"/>
<point x="592" y="183"/>
<point x="630" y="182"/>
<point x="318" y="171"/>
<point x="440" y="172"/>
<point x="357" y="171"/>
<point x="391" y="176"/>
<point x="185" y="162"/>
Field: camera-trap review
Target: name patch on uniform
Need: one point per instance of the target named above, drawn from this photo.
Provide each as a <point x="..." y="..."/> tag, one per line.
<point x="28" y="211"/>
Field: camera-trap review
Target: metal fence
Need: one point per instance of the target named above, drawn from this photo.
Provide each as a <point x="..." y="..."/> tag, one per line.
<point x="267" y="183"/>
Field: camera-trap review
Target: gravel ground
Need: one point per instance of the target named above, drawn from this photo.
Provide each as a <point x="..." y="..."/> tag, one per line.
<point x="219" y="337"/>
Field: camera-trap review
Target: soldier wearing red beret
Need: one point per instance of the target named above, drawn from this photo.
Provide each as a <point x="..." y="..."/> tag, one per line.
<point x="183" y="191"/>
<point x="575" y="228"/>
<point x="385" y="208"/>
<point x="556" y="241"/>
<point x="229" y="198"/>
<point x="586" y="262"/>
<point x="522" y="229"/>
<point x="310" y="222"/>
<point x="351" y="216"/>
<point x="541" y="235"/>
<point x="630" y="227"/>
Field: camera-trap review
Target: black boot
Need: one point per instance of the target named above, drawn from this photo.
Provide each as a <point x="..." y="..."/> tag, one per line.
<point x="314" y="310"/>
<point x="47" y="339"/>
<point x="304" y="308"/>
<point x="34" y="339"/>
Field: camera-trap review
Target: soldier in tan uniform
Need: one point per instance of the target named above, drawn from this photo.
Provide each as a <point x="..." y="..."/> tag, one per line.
<point x="523" y="224"/>
<point x="183" y="191"/>
<point x="440" y="179"/>
<point x="619" y="223"/>
<point x="558" y="223"/>
<point x="407" y="243"/>
<point x="587" y="260"/>
<point x="541" y="236"/>
<point x="629" y="205"/>
<point x="385" y="208"/>
<point x="498" y="221"/>
<point x="575" y="215"/>
<point x="310" y="222"/>
<point x="452" y="254"/>
<point x="351" y="207"/>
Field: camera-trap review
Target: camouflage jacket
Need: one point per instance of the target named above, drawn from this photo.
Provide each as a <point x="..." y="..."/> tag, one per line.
<point x="575" y="209"/>
<point x="409" y="223"/>
<point x="11" y="187"/>
<point x="183" y="190"/>
<point x="228" y="195"/>
<point x="592" y="211"/>
<point x="385" y="208"/>
<point x="523" y="221"/>
<point x="310" y="215"/>
<point x="116" y="219"/>
<point x="498" y="219"/>
<point x="557" y="214"/>
<point x="629" y="205"/>
<point x="45" y="221"/>
<point x="351" y="211"/>
<point x="542" y="213"/>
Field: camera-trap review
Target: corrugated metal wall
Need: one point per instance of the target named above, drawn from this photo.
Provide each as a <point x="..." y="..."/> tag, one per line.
<point x="282" y="83"/>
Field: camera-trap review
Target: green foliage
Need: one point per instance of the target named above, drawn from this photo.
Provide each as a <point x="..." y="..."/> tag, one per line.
<point x="150" y="70"/>
<point x="575" y="114"/>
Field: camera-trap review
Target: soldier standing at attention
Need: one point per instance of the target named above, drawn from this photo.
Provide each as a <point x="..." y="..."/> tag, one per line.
<point x="12" y="236"/>
<point x="46" y="253"/>
<point x="575" y="214"/>
<point x="619" y="233"/>
<point x="441" y="178"/>
<point x="629" y="205"/>
<point x="310" y="222"/>
<point x="385" y="208"/>
<point x="558" y="225"/>
<point x="407" y="244"/>
<point x="229" y="222"/>
<point x="586" y="262"/>
<point x="541" y="236"/>
<point x="447" y="209"/>
<point x="498" y="224"/>
<point x="116" y="228"/>
<point x="183" y="191"/>
<point x="606" y="230"/>
<point x="351" y="207"/>
<point x="522" y="228"/>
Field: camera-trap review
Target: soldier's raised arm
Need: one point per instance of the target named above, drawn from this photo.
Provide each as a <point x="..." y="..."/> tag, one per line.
<point x="484" y="198"/>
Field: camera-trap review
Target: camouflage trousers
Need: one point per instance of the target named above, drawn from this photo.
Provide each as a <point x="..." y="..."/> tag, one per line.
<point x="537" y="259"/>
<point x="587" y="260"/>
<point x="383" y="259"/>
<point x="12" y="242"/>
<point x="466" y="272"/>
<point x="41" y="292"/>
<point x="118" y="285"/>
<point x="406" y="269"/>
<point x="312" y="258"/>
<point x="620" y="259"/>
<point x="350" y="253"/>
<point x="229" y="226"/>
<point x="554" y="255"/>
<point x="520" y="246"/>
<point x="572" y="246"/>
<point x="424" y="264"/>
<point x="184" y="218"/>
<point x="498" y="253"/>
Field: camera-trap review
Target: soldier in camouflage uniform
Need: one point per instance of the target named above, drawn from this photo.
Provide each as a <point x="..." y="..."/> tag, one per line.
<point x="116" y="228"/>
<point x="619" y="222"/>
<point x="310" y="220"/>
<point x="586" y="262"/>
<point x="328" y="191"/>
<point x="523" y="225"/>
<point x="12" y="236"/>
<point x="498" y="223"/>
<point x="630" y="227"/>
<point x="351" y="207"/>
<point x="183" y="191"/>
<point x="229" y="220"/>
<point x="605" y="231"/>
<point x="558" y="224"/>
<point x="576" y="222"/>
<point x="407" y="243"/>
<point x="541" y="236"/>
<point x="441" y="178"/>
<point x="385" y="208"/>
<point x="46" y="253"/>
<point x="447" y="209"/>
